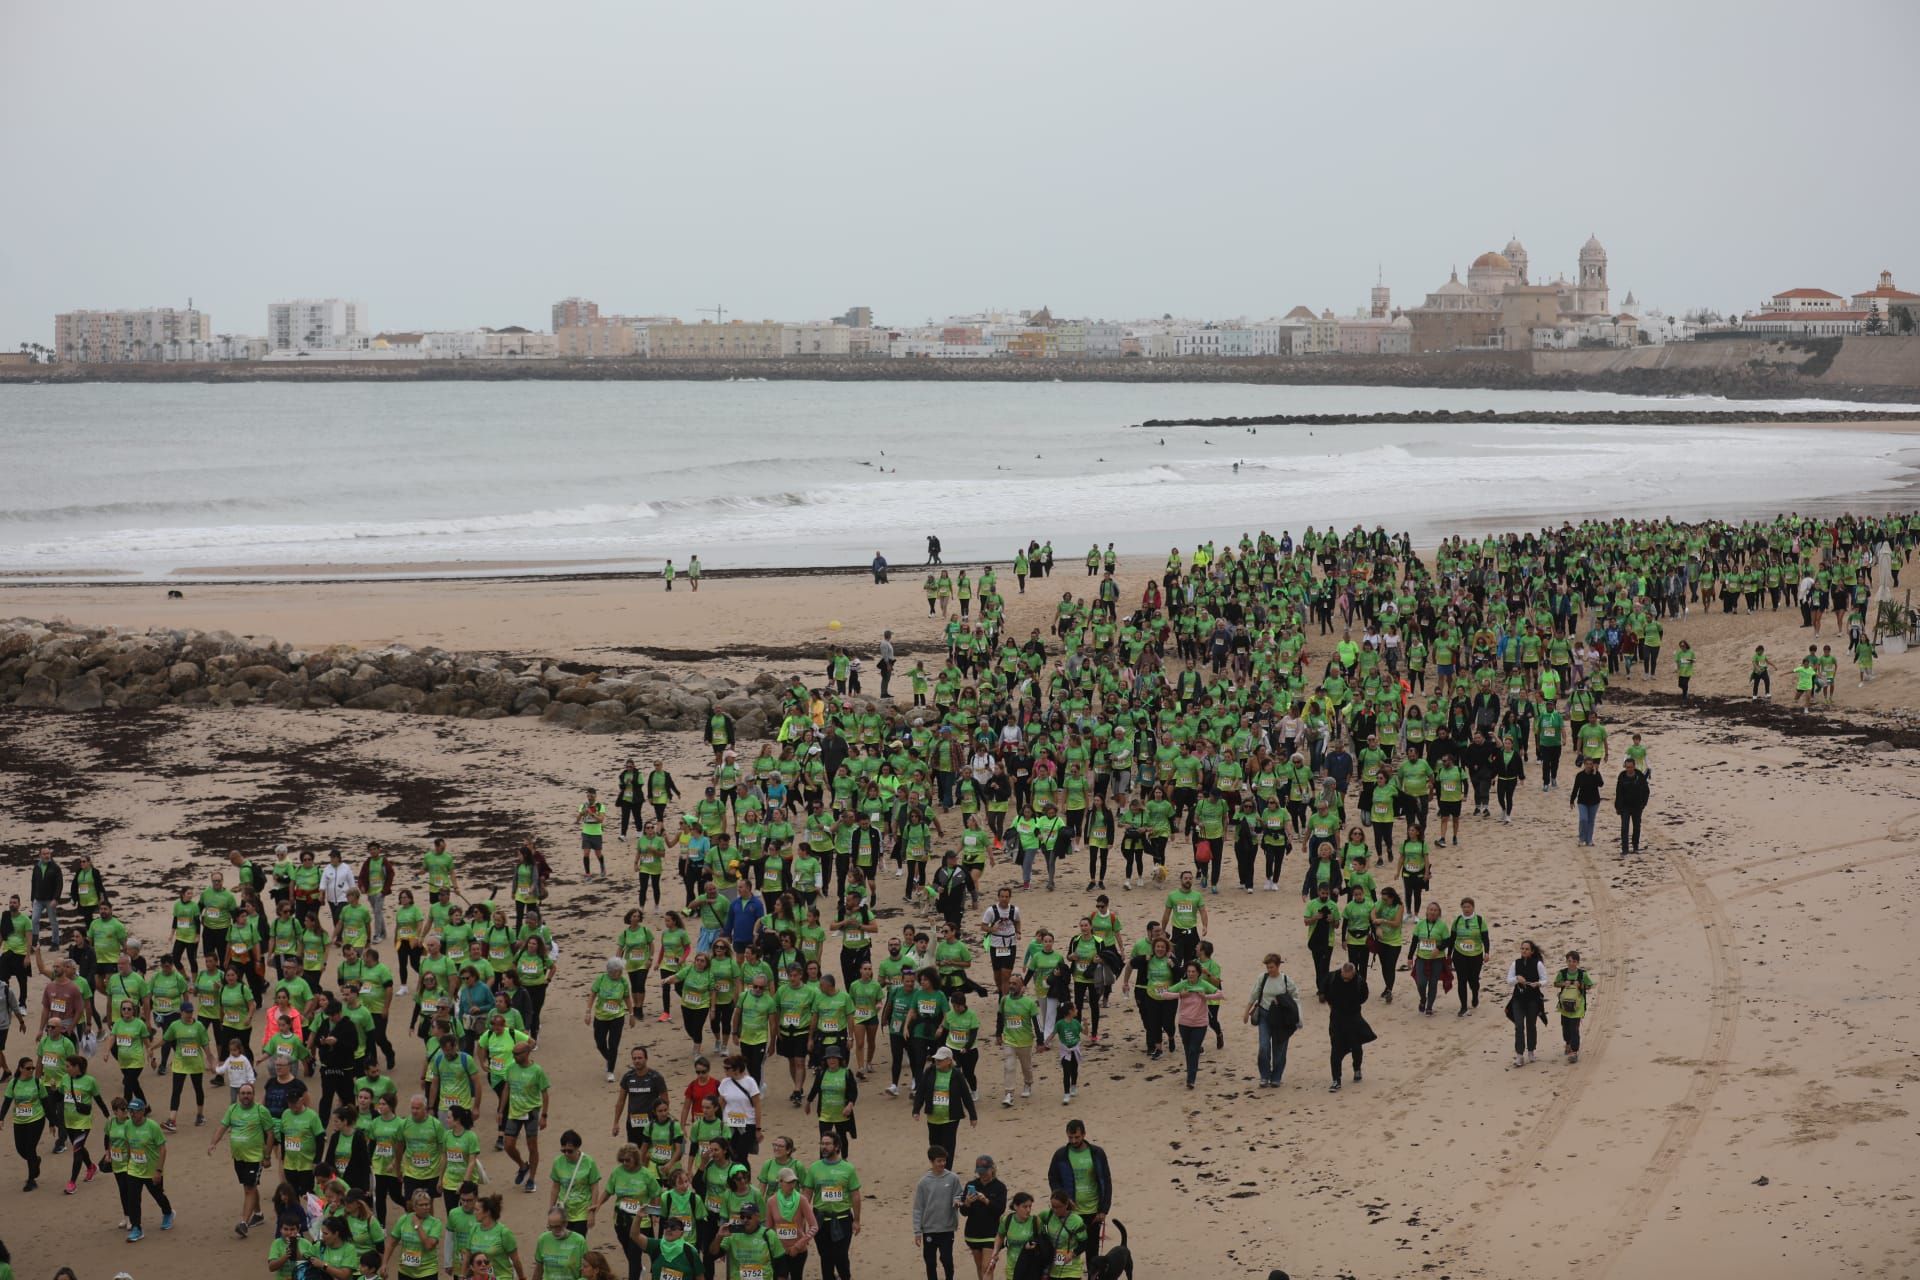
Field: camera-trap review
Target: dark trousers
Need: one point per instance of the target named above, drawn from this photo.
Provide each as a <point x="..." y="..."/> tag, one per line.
<point x="1340" y="1054"/>
<point x="1630" y="828"/>
<point x="938" y="1245"/>
<point x="1467" y="970"/>
<point x="1570" y="1033"/>
<point x="835" y="1241"/>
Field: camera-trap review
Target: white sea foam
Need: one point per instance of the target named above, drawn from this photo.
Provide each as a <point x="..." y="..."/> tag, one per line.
<point x="155" y="478"/>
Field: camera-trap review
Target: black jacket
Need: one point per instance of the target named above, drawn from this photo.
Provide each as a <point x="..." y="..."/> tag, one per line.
<point x="1586" y="788"/>
<point x="1630" y="792"/>
<point x="961" y="1099"/>
<point x="1345" y="1027"/>
<point x="46" y="881"/>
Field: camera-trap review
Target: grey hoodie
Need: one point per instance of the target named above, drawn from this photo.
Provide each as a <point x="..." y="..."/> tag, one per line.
<point x="933" y="1209"/>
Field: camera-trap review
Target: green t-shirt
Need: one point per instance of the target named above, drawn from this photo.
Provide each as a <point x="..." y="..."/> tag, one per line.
<point x="248" y="1131"/>
<point x="145" y="1142"/>
<point x="576" y="1180"/>
<point x="190" y="1041"/>
<point x="525" y="1088"/>
<point x="496" y="1244"/>
<point x="1185" y="905"/>
<point x="419" y="1245"/>
<point x="1018" y="1018"/>
<point x="834" y="1186"/>
<point x="559" y="1256"/>
<point x="300" y="1133"/>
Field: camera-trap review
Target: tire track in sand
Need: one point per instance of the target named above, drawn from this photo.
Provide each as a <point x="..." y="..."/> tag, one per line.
<point x="1690" y="1113"/>
<point x="1573" y="1084"/>
<point x="1892" y="833"/>
<point x="1851" y="864"/>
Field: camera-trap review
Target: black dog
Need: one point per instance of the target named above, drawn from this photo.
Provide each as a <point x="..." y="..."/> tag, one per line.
<point x="1115" y="1262"/>
<point x="176" y="595"/>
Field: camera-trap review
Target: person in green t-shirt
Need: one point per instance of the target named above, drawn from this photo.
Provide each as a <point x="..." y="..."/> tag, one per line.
<point x="290" y="1252"/>
<point x="413" y="1246"/>
<point x="750" y="1247"/>
<point x="524" y="1111"/>
<point x="609" y="1005"/>
<point x="1572" y="983"/>
<point x="248" y="1128"/>
<point x="298" y="1135"/>
<point x="191" y="1045"/>
<point x="490" y="1249"/>
<point x="558" y="1251"/>
<point x="572" y="1182"/>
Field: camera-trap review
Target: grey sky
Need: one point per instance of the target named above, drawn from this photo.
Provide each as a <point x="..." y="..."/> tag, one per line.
<point x="457" y="164"/>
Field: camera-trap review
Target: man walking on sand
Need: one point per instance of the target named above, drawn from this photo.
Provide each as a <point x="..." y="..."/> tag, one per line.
<point x="886" y="662"/>
<point x="1630" y="793"/>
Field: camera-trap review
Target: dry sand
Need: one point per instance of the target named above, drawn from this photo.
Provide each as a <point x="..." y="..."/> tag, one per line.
<point x="1751" y="1021"/>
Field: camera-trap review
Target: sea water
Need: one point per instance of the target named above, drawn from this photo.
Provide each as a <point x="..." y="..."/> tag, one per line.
<point x="153" y="479"/>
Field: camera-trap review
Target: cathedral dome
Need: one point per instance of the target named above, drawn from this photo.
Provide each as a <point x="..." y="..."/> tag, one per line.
<point x="1492" y="262"/>
<point x="1592" y="249"/>
<point x="1515" y="249"/>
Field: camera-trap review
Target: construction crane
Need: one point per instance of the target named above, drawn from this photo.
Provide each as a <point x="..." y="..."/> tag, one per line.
<point x="718" y="313"/>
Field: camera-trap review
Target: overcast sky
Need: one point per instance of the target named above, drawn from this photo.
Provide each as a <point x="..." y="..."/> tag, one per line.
<point x="460" y="164"/>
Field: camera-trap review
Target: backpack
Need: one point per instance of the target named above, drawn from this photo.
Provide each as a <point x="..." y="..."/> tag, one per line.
<point x="1283" y="1015"/>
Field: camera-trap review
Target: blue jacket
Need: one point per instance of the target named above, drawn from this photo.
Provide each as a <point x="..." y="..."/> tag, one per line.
<point x="1060" y="1176"/>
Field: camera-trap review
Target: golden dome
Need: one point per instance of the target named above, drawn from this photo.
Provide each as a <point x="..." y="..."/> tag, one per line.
<point x="1492" y="261"/>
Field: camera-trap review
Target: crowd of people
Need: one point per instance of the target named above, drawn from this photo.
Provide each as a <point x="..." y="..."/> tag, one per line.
<point x="378" y="1025"/>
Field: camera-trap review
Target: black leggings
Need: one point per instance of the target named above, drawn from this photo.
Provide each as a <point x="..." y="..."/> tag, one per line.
<point x="1467" y="969"/>
<point x="130" y="1084"/>
<point x="636" y="1256"/>
<point x="131" y="1189"/>
<point x="607" y="1039"/>
<point x="1389" y="963"/>
<point x="1097" y="855"/>
<point x="695" y="1021"/>
<point x="386" y="1186"/>
<point x="1133" y="859"/>
<point x="199" y="1090"/>
<point x="1276" y="855"/>
<point x="26" y="1141"/>
<point x="1570" y="1033"/>
<point x="409" y="960"/>
<point x="1086" y="1006"/>
<point x="1415" y="885"/>
<point x="77" y="1143"/>
<point x="649" y="879"/>
<point x="1504" y="789"/>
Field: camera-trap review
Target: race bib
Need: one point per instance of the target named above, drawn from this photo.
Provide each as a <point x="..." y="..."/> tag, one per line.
<point x="787" y="1232"/>
<point x="23" y="1112"/>
<point x="1062" y="1258"/>
<point x="629" y="1206"/>
<point x="749" y="1271"/>
<point x="833" y="1195"/>
<point x="410" y="1258"/>
<point x="940" y="1098"/>
<point x="138" y="1159"/>
<point x="383" y="1151"/>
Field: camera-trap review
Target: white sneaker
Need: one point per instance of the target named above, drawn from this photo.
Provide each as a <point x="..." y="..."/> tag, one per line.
<point x="609" y="1077"/>
<point x="1519" y="1061"/>
<point x="1027" y="1092"/>
<point x="1007" y="1101"/>
<point x="893" y="1091"/>
<point x="1065" y="1099"/>
<point x="1529" y="1055"/>
<point x="400" y="990"/>
<point x="1249" y="888"/>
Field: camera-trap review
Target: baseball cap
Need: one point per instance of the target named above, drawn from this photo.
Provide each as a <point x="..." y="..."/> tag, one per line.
<point x="788" y="1175"/>
<point x="943" y="1054"/>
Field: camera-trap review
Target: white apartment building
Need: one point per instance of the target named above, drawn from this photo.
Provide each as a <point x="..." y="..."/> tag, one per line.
<point x="1104" y="339"/>
<point x="317" y="324"/>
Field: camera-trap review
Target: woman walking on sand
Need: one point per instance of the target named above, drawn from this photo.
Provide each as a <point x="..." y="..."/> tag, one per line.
<point x="1527" y="1008"/>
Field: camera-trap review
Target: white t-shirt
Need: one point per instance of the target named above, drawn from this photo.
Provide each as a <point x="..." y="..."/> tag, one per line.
<point x="736" y="1101"/>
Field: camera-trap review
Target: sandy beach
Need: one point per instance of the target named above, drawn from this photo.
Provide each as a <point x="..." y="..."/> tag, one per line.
<point x="1743" y="1108"/>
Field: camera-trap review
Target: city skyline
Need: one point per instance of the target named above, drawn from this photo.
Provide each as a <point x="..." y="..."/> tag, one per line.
<point x="1162" y="164"/>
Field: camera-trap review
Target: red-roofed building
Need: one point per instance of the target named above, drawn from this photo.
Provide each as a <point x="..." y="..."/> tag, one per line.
<point x="1812" y="313"/>
<point x="1882" y="295"/>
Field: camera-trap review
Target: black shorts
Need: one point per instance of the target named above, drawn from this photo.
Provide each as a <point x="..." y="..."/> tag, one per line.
<point x="1450" y="808"/>
<point x="247" y="1172"/>
<point x="590" y="842"/>
<point x="792" y="1046"/>
<point x="1002" y="960"/>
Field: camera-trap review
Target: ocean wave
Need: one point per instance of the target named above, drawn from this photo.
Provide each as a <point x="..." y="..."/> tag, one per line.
<point x="151" y="507"/>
